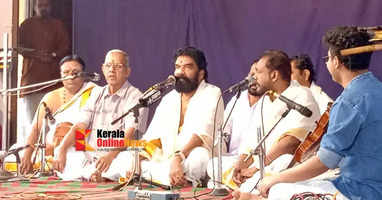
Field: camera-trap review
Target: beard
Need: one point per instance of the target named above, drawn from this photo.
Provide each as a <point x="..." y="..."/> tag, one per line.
<point x="257" y="90"/>
<point x="186" y="85"/>
<point x="252" y="90"/>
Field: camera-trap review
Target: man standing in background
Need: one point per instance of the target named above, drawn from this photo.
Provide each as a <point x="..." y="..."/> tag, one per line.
<point x="43" y="42"/>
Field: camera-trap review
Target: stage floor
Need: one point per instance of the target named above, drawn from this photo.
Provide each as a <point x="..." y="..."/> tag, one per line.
<point x="53" y="188"/>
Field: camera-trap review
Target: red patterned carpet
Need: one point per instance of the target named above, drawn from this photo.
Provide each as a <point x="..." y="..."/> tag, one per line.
<point x="53" y="188"/>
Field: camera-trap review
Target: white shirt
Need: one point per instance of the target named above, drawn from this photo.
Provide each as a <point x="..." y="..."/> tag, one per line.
<point x="102" y="108"/>
<point x="239" y="121"/>
<point x="272" y="112"/>
<point x="321" y="97"/>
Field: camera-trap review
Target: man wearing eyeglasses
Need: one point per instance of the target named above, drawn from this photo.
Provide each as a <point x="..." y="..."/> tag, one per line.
<point x="353" y="138"/>
<point x="63" y="103"/>
<point x="108" y="103"/>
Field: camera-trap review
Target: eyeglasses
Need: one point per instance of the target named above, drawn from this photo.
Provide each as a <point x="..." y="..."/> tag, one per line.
<point x="326" y="58"/>
<point x="66" y="73"/>
<point x="113" y="65"/>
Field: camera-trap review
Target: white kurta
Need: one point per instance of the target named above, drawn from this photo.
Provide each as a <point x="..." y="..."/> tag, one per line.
<point x="239" y="121"/>
<point x="320" y="96"/>
<point x="199" y="119"/>
<point x="272" y="112"/>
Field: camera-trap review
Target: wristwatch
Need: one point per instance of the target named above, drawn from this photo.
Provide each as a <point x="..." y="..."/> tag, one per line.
<point x="181" y="154"/>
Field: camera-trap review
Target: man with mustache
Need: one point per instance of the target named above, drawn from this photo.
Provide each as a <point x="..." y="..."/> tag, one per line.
<point x="273" y="72"/>
<point x="353" y="139"/>
<point x="104" y="105"/>
<point x="184" y="122"/>
<point x="63" y="103"/>
<point x="236" y="129"/>
<point x="44" y="41"/>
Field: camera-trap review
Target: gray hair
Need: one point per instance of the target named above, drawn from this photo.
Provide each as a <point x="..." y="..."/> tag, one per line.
<point x="122" y="52"/>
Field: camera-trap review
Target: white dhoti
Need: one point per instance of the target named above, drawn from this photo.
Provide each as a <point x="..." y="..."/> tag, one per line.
<point x="276" y="166"/>
<point x="81" y="165"/>
<point x="194" y="167"/>
<point x="212" y="168"/>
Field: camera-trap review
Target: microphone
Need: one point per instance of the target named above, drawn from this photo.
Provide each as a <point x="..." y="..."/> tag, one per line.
<point x="240" y="85"/>
<point x="92" y="76"/>
<point x="291" y="104"/>
<point x="48" y="113"/>
<point x="150" y="96"/>
<point x="153" y="94"/>
<point x="170" y="81"/>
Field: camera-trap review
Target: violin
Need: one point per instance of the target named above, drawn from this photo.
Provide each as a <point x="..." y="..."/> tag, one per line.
<point x="312" y="141"/>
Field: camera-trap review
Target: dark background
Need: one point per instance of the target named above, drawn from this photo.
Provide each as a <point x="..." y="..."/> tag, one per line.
<point x="231" y="33"/>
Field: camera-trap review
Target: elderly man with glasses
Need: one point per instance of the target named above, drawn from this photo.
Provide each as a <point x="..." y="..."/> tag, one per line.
<point x="101" y="158"/>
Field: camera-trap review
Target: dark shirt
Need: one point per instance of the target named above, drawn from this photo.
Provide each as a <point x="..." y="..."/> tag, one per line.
<point x="47" y="37"/>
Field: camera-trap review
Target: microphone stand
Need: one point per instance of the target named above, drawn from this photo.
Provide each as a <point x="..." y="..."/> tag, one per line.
<point x="37" y="84"/>
<point x="260" y="149"/>
<point x="42" y="146"/>
<point x="42" y="135"/>
<point x="149" y="97"/>
<point x="219" y="190"/>
<point x="5" y="174"/>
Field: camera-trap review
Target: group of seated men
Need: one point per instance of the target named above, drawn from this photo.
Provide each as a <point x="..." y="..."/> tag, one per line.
<point x="186" y="118"/>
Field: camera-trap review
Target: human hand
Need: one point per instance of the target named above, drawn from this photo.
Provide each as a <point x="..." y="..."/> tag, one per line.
<point x="60" y="162"/>
<point x="176" y="172"/>
<point x="26" y="165"/>
<point x="266" y="183"/>
<point x="104" y="162"/>
<point x="248" y="172"/>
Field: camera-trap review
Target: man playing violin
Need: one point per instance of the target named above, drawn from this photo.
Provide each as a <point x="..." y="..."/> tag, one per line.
<point x="273" y="72"/>
<point x="352" y="141"/>
<point x="63" y="103"/>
